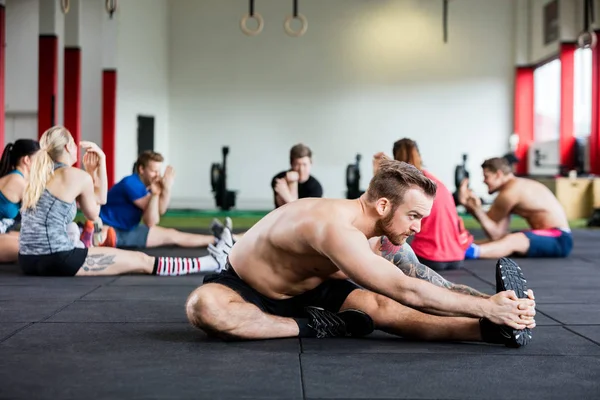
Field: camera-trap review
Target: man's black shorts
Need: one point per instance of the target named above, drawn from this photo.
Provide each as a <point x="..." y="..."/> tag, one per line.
<point x="330" y="295"/>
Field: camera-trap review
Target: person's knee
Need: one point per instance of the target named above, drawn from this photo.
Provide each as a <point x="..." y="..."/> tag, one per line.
<point x="205" y="309"/>
<point x="518" y="242"/>
<point x="170" y="236"/>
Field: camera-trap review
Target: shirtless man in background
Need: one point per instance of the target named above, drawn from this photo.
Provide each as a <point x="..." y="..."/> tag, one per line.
<point x="549" y="236"/>
<point x="286" y="276"/>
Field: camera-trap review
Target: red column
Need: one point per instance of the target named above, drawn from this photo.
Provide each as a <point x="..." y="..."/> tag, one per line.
<point x="109" y="121"/>
<point x="72" y="94"/>
<point x="567" y="84"/>
<point x="47" y="82"/>
<point x="2" y="66"/>
<point x="523" y="118"/>
<point x="594" y="142"/>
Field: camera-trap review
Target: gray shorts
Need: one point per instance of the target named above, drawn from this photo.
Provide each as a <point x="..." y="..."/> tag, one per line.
<point x="135" y="238"/>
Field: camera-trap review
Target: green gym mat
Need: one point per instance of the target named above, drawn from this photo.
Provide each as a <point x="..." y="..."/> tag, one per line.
<point x="244" y="219"/>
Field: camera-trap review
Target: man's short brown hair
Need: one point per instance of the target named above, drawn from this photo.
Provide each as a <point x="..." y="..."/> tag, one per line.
<point x="145" y="157"/>
<point x="394" y="178"/>
<point x="497" y="164"/>
<point x="300" y="151"/>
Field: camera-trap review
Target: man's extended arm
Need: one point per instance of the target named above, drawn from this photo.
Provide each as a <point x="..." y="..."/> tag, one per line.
<point x="351" y="253"/>
<point x="151" y="216"/>
<point x="496" y="221"/>
<point x="405" y="258"/>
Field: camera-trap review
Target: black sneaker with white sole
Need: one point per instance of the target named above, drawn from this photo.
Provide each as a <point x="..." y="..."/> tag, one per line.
<point x="347" y="323"/>
<point x="509" y="276"/>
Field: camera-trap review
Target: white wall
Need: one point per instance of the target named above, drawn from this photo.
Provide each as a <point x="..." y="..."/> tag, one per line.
<point x="142" y="77"/>
<point x="366" y="74"/>
<point x="21" y="73"/>
<point x="91" y="70"/>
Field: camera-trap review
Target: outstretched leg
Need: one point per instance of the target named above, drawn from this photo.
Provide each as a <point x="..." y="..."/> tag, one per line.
<point x="405" y="258"/>
<point x="397" y="319"/>
<point x="113" y="261"/>
<point x="514" y="243"/>
<point x="220" y="311"/>
<point x="159" y="236"/>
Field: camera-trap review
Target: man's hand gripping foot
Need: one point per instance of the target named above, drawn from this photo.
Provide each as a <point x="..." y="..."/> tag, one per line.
<point x="511" y="318"/>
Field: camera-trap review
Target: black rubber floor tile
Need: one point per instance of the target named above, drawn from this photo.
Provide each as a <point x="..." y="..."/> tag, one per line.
<point x="122" y="311"/>
<point x="544" y="342"/>
<point x="150" y="280"/>
<point x="29" y="311"/>
<point x="150" y="293"/>
<point x="155" y="372"/>
<point x="591" y="332"/>
<point x="449" y="376"/>
<point x="39" y="292"/>
<point x="9" y="328"/>
<point x="50" y="337"/>
<point x="573" y="314"/>
<point x="41" y="281"/>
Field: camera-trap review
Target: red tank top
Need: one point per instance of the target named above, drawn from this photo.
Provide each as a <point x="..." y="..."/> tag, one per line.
<point x="440" y="239"/>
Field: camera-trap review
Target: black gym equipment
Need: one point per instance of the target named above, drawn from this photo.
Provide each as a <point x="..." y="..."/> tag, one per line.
<point x="353" y="179"/>
<point x="460" y="174"/>
<point x="225" y="199"/>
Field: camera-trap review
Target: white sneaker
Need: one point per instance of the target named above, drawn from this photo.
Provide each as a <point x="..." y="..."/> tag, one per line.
<point x="220" y="251"/>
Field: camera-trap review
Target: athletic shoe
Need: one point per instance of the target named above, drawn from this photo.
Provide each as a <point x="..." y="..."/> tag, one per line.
<point x="509" y="276"/>
<point x="217" y="227"/>
<point x="221" y="250"/>
<point x="348" y="323"/>
<point x="111" y="238"/>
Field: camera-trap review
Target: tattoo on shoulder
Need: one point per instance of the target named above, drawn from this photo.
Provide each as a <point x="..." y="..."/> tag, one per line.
<point x="407" y="261"/>
<point x="98" y="262"/>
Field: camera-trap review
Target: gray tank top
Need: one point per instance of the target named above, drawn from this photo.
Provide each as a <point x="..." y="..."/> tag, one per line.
<point x="44" y="228"/>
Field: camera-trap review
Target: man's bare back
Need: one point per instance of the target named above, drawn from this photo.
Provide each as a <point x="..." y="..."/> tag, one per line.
<point x="534" y="202"/>
<point x="277" y="256"/>
<point x="549" y="234"/>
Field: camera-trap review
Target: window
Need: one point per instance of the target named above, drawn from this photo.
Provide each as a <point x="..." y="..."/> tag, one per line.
<point x="582" y="104"/>
<point x="547" y="102"/>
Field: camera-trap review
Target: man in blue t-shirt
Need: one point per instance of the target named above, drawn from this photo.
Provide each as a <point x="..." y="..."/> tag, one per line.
<point x="143" y="197"/>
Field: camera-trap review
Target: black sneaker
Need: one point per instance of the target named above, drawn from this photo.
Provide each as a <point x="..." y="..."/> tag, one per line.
<point x="501" y="334"/>
<point x="358" y="323"/>
<point x="509" y="276"/>
<point x="348" y="323"/>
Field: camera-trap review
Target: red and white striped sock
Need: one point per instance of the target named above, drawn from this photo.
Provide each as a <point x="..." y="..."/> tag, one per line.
<point x="174" y="266"/>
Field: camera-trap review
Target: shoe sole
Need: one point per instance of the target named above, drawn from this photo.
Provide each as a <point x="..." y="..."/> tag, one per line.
<point x="509" y="276"/>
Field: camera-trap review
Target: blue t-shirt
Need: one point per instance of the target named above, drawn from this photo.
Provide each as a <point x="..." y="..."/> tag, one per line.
<point x="119" y="211"/>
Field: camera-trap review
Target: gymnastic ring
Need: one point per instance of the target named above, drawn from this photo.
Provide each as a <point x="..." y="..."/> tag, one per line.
<point x="248" y="31"/>
<point x="65" y="6"/>
<point x="587" y="39"/>
<point x="111" y="7"/>
<point x="288" y="27"/>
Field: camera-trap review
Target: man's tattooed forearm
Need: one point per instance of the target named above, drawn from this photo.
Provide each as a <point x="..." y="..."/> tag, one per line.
<point x="467" y="290"/>
<point x="98" y="262"/>
<point x="406" y="260"/>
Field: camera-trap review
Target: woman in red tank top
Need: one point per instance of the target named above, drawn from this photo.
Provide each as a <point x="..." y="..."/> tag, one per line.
<point x="442" y="242"/>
